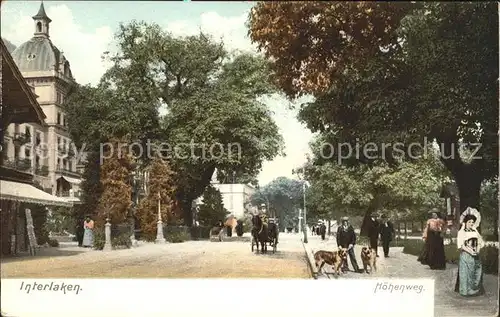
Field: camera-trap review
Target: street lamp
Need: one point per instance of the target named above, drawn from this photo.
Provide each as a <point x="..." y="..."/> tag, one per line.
<point x="159" y="228"/>
<point x="305" y="210"/>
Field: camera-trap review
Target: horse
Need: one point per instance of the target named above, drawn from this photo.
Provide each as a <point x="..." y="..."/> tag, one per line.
<point x="260" y="233"/>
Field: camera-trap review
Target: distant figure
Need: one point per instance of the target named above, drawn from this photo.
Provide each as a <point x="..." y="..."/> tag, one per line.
<point x="346" y="238"/>
<point x="386" y="234"/>
<point x="80" y="231"/>
<point x="470" y="270"/>
<point x="322" y="231"/>
<point x="313" y="230"/>
<point x="433" y="253"/>
<point x="88" y="235"/>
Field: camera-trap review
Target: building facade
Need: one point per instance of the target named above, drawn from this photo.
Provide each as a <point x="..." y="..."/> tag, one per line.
<point x="46" y="151"/>
<point x="235" y="197"/>
<point x="17" y="194"/>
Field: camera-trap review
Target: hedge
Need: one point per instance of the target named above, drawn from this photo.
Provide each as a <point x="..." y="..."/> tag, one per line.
<point x="488" y="254"/>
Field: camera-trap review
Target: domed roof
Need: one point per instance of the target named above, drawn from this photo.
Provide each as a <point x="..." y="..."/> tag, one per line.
<point x="38" y="54"/>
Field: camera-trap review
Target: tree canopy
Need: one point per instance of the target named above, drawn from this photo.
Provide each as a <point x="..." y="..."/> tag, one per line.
<point x="392" y="72"/>
<point x="212" y="209"/>
<point x="284" y="197"/>
<point x="211" y="99"/>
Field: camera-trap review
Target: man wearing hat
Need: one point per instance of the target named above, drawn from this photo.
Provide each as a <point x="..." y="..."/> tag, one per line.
<point x="370" y="228"/>
<point x="386" y="234"/>
<point x="346" y="238"/>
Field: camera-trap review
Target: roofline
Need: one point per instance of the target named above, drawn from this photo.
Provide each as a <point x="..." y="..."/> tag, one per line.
<point x="24" y="85"/>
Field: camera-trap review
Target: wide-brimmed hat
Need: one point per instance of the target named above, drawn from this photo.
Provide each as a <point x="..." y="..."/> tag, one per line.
<point x="345" y="219"/>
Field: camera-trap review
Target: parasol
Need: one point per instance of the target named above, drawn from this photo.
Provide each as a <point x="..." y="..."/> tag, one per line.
<point x="474" y="212"/>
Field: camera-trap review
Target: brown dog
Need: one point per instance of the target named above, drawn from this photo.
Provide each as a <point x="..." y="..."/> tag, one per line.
<point x="335" y="259"/>
<point x="369" y="259"/>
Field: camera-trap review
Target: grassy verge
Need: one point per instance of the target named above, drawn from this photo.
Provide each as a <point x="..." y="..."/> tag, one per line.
<point x="488" y="254"/>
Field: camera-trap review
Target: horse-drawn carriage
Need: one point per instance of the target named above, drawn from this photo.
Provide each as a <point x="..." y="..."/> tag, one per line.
<point x="264" y="233"/>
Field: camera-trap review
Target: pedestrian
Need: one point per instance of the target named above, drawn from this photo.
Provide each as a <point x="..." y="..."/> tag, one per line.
<point x="470" y="271"/>
<point x="313" y="230"/>
<point x="346" y="238"/>
<point x="433" y="254"/>
<point x="88" y="235"/>
<point x="370" y="228"/>
<point x="322" y="231"/>
<point x="386" y="234"/>
<point x="80" y="231"/>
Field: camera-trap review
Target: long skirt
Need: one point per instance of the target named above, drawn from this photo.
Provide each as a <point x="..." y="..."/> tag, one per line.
<point x="424" y="255"/>
<point x="88" y="238"/>
<point x="470" y="275"/>
<point x="436" y="258"/>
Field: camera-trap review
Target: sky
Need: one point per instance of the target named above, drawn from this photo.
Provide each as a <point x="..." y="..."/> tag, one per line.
<point x="83" y="30"/>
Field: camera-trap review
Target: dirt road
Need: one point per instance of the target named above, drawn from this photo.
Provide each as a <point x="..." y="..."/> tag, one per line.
<point x="193" y="259"/>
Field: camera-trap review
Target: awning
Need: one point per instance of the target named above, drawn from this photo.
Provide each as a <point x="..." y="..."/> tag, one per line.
<point x="29" y="194"/>
<point x="72" y="180"/>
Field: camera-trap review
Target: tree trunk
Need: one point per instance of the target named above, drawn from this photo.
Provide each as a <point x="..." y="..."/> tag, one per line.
<point x="468" y="176"/>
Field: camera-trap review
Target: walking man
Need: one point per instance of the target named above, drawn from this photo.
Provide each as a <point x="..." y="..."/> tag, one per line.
<point x="386" y="234"/>
<point x="371" y="229"/>
<point x="346" y="238"/>
<point x="322" y="230"/>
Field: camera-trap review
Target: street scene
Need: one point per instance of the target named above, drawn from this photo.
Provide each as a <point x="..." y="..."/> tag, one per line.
<point x="278" y="140"/>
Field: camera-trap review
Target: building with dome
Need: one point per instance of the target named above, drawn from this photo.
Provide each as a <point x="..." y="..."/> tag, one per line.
<point x="45" y="151"/>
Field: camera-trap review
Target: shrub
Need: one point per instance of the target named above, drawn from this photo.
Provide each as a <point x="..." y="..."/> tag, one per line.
<point x="53" y="243"/>
<point x="99" y="239"/>
<point x="488" y="254"/>
<point x="122" y="240"/>
<point x="200" y="232"/>
<point x="177" y="237"/>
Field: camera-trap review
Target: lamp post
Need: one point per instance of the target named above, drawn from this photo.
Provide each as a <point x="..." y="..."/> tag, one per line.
<point x="305" y="211"/>
<point x="159" y="229"/>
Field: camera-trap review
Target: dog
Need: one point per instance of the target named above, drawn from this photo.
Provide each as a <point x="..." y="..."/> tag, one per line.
<point x="335" y="259"/>
<point x="369" y="259"/>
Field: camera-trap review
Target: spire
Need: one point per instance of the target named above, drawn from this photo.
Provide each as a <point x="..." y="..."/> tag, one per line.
<point x="42" y="22"/>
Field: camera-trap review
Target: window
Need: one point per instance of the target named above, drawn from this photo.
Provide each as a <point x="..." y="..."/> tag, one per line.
<point x="58" y="166"/>
<point x="27" y="130"/>
<point x="37" y="160"/>
<point x="38" y="138"/>
<point x="59" y="98"/>
<point x="58" y="118"/>
<point x="65" y="163"/>
<point x="27" y="153"/>
<point x="39" y="27"/>
<point x="70" y="166"/>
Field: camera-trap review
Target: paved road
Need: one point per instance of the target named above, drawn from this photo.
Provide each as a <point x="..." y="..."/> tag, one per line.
<point x="447" y="302"/>
<point x="194" y="259"/>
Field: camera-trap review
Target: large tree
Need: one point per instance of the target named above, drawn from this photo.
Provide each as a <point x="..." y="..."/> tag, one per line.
<point x="409" y="189"/>
<point x="284" y="197"/>
<point x="392" y="72"/>
<point x="211" y="98"/>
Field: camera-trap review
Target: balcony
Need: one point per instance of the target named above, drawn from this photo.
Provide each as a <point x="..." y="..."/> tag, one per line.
<point x="42" y="170"/>
<point x="22" y="165"/>
<point x="21" y="139"/>
<point x="67" y="172"/>
<point x="69" y="193"/>
<point x="62" y="149"/>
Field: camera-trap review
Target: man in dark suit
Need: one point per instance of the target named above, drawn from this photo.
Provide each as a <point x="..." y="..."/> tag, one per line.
<point x="346" y="238"/>
<point x="370" y="229"/>
<point x="322" y="231"/>
<point x="386" y="234"/>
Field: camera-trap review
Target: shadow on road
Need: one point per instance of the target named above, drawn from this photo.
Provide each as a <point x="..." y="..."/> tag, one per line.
<point x="42" y="253"/>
